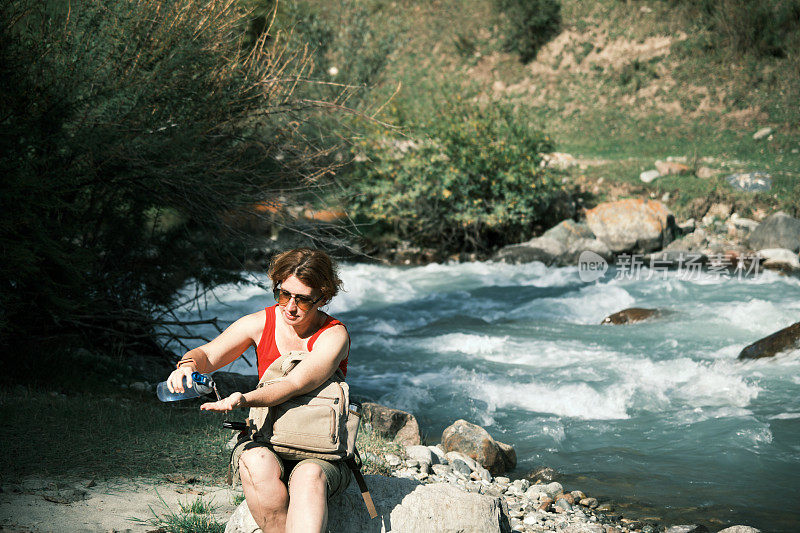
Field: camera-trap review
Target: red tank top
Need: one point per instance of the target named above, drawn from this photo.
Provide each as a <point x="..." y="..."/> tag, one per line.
<point x="267" y="350"/>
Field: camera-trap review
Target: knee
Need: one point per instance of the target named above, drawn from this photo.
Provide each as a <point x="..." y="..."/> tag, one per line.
<point x="308" y="478"/>
<point x="258" y="466"/>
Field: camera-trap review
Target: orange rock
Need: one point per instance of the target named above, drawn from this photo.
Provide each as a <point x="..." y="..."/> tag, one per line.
<point x="666" y="168"/>
<point x="631" y="224"/>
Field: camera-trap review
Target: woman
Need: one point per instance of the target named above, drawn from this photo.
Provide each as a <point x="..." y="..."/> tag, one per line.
<point x="282" y="495"/>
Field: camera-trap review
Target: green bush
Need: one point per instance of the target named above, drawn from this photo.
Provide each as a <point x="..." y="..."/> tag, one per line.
<point x="758" y="27"/>
<point x="132" y="132"/>
<point x="467" y="179"/>
<point x="529" y="25"/>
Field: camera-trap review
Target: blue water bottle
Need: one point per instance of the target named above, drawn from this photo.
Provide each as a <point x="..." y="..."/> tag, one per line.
<point x="201" y="385"/>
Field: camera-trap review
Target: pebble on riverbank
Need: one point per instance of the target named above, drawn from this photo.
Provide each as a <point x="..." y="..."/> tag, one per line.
<point x="531" y="507"/>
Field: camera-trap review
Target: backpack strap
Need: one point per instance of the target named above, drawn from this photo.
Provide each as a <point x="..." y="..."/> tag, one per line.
<point x="362" y="484"/>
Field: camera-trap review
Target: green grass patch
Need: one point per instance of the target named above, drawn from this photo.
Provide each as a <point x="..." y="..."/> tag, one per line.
<point x="373" y="447"/>
<point x="193" y="517"/>
<point x="109" y="435"/>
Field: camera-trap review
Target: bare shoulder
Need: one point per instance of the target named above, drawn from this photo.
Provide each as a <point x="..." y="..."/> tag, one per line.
<point x="335" y="339"/>
<point x="254" y="322"/>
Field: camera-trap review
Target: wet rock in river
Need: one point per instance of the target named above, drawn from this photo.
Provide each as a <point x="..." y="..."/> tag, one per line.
<point x="631" y="316"/>
<point x="780" y="341"/>
<point x="780" y="259"/>
<point x="687" y="528"/>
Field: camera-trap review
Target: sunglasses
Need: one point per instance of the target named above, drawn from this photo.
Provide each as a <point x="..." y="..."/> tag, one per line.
<point x="302" y="301"/>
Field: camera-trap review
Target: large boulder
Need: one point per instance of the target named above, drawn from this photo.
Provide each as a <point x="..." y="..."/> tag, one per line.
<point x="544" y="249"/>
<point x="778" y="230"/>
<point x="475" y="442"/>
<point x="568" y="231"/>
<point x="632" y="225"/>
<point x="404" y="506"/>
<point x="780" y="341"/>
<point x="393" y="424"/>
<point x="578" y="246"/>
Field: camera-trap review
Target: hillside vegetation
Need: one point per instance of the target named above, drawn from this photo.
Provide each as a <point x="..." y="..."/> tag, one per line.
<point x="618" y="85"/>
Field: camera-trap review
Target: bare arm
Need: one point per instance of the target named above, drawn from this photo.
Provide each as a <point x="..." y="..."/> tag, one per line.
<point x="329" y="350"/>
<point x="224" y="349"/>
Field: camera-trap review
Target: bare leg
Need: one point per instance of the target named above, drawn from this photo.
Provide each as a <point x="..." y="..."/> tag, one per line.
<point x="308" y="500"/>
<point x="265" y="493"/>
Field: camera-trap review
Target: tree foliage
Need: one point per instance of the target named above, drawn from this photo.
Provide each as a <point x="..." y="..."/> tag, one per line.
<point x="468" y="179"/>
<point x="529" y="25"/>
<point x="134" y="132"/>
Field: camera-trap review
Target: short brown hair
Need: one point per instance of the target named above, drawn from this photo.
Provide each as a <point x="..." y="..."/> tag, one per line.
<point x="313" y="267"/>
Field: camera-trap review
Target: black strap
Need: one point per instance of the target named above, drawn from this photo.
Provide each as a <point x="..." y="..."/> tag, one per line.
<point x="362" y="484"/>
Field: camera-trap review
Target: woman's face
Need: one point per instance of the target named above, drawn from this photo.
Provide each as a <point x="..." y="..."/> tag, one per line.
<point x="292" y="314"/>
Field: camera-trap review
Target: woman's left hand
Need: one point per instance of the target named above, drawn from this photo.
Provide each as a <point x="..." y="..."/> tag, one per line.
<point x="226" y="404"/>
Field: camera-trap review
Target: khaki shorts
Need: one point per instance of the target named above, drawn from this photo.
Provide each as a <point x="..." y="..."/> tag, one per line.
<point x="337" y="473"/>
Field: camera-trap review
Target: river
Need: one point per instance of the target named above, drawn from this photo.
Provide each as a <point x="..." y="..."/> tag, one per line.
<point x="659" y="417"/>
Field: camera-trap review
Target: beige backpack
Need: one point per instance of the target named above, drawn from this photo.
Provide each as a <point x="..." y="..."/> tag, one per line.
<point x="319" y="424"/>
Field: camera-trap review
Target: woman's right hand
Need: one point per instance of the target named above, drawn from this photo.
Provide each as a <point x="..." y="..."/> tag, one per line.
<point x="176" y="380"/>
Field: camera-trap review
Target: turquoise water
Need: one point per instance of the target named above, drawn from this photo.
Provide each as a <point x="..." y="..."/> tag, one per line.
<point x="658" y="417"/>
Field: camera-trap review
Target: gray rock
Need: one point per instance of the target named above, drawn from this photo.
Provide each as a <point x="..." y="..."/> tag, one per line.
<point x="778" y="230"/>
<point x="393" y="424"/>
<point x="553" y="488"/>
<point x="577" y="247"/>
<point x="750" y="181"/>
<point x="392" y="460"/>
<point x="422" y="454"/>
<point x="404" y="506"/>
<point x="687" y="528"/>
<point x="441" y="470"/>
<point x="522" y="484"/>
<point x="742" y="223"/>
<point x="780" y="341"/>
<point x="475" y="442"/>
<point x="739" y="529"/>
<point x="460" y="467"/>
<point x="563" y="504"/>
<point x="649" y="175"/>
<point x="688" y="226"/>
<point x="632" y="225"/>
<point x="543" y="249"/>
<point x="514" y="490"/>
<point x="438" y="452"/>
<point x="780" y="259"/>
<point x="484" y="474"/>
<point x="762" y="134"/>
<point x="568" y="231"/>
<point x="535" y="492"/>
<point x="452" y="456"/>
